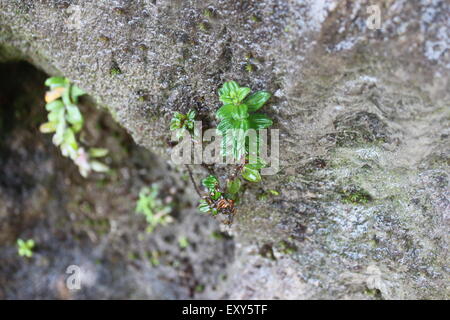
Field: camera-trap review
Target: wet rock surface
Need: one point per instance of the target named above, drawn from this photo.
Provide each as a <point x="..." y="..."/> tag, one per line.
<point x="363" y="210"/>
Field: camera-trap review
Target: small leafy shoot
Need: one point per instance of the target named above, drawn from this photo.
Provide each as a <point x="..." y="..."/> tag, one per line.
<point x="25" y="248"/>
<point x="182" y="123"/>
<point x="66" y="121"/>
<point x="152" y="207"/>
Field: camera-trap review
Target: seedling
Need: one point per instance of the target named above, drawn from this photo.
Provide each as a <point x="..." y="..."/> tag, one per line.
<point x="25" y="248"/>
<point x="183" y="242"/>
<point x="182" y="123"/>
<point x="152" y="207"/>
<point x="237" y="116"/>
<point x="65" y="121"/>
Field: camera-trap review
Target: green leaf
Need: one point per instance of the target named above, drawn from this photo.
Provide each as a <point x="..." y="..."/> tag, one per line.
<point x="98" y="152"/>
<point x="226" y="124"/>
<point x="240" y="112"/>
<point x="58" y="137"/>
<point x="56" y="82"/>
<point x="204" y="206"/>
<point x="259" y="121"/>
<point x="239" y="139"/>
<point x="257" y="100"/>
<point x="191" y="115"/>
<point x="210" y="182"/>
<point x="97" y="166"/>
<point x="234" y="186"/>
<point x="216" y="195"/>
<point x="175" y="124"/>
<point x="75" y="93"/>
<point x="242" y="93"/>
<point x="256" y="164"/>
<point x="47" y="127"/>
<point x="57" y="115"/>
<point x="225" y="111"/>
<point x="74" y="117"/>
<point x="227" y="88"/>
<point x="231" y="93"/>
<point x="66" y="97"/>
<point x="250" y="174"/>
<point x="69" y="138"/>
<point x="54" y="105"/>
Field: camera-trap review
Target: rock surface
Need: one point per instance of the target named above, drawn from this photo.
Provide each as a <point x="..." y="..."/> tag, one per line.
<point x="363" y="210"/>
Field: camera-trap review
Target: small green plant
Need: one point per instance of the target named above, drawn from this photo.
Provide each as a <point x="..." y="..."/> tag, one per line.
<point x="183" y="242"/>
<point x="152" y="207"/>
<point x="218" y="201"/>
<point x="237" y="116"/>
<point x="65" y="121"/>
<point x="182" y="123"/>
<point x="265" y="195"/>
<point x="355" y="195"/>
<point x="115" y="70"/>
<point x="25" y="248"/>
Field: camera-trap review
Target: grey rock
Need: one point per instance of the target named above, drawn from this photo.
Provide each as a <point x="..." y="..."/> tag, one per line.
<point x="363" y="116"/>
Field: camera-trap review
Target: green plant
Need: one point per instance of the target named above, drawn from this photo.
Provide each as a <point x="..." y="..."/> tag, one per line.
<point x="25" y="248"/>
<point x="355" y="195"/>
<point x="152" y="207"/>
<point x="182" y="123"/>
<point x="183" y="242"/>
<point x="237" y="116"/>
<point x="218" y="201"/>
<point x="66" y="121"/>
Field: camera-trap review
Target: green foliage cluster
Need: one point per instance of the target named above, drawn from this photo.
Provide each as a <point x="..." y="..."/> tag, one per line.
<point x="25" y="248"/>
<point x="182" y="123"/>
<point x="355" y="195"/>
<point x="218" y="201"/>
<point x="66" y="121"/>
<point x="152" y="207"/>
<point x="236" y="116"/>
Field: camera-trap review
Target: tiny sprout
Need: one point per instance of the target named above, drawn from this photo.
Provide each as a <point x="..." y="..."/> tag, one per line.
<point x="203" y="26"/>
<point x="249" y="67"/>
<point x="182" y="123"/>
<point x="66" y="121"/>
<point x="199" y="288"/>
<point x="25" y="248"/>
<point x="114" y="71"/>
<point x="183" y="242"/>
<point x="255" y="18"/>
<point x="207" y="13"/>
<point x="152" y="207"/>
